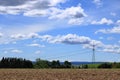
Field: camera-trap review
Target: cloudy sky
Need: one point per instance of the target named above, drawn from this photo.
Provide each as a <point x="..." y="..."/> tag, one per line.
<point x="60" y="29"/>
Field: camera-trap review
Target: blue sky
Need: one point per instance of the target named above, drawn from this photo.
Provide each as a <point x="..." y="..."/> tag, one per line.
<point x="60" y="29"/>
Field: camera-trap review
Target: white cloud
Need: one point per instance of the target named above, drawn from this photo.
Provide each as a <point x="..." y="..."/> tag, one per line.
<point x="67" y="39"/>
<point x="76" y="21"/>
<point x="103" y="21"/>
<point x="118" y="23"/>
<point x="97" y="2"/>
<point x="111" y="46"/>
<point x="25" y="6"/>
<point x="22" y="32"/>
<point x="24" y="36"/>
<point x="16" y="51"/>
<point x="47" y="38"/>
<point x="1" y="35"/>
<point x="37" y="52"/>
<point x="33" y="35"/>
<point x="113" y="14"/>
<point x="18" y="36"/>
<point x="111" y="49"/>
<point x="74" y="15"/>
<point x="36" y="13"/>
<point x="72" y="12"/>
<point x="95" y="43"/>
<point x="35" y="45"/>
<point x="55" y="2"/>
<point x="44" y="8"/>
<point x="11" y="50"/>
<point x="114" y="30"/>
<point x="12" y="38"/>
<point x="71" y="39"/>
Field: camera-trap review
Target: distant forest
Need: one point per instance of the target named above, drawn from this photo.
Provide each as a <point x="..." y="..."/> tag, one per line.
<point x="15" y="63"/>
<point x="41" y="64"/>
<point x="23" y="63"/>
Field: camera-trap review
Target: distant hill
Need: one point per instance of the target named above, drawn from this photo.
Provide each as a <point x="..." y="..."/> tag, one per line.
<point x="80" y="63"/>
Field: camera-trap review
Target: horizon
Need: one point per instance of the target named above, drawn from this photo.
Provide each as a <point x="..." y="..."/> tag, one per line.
<point x="60" y="29"/>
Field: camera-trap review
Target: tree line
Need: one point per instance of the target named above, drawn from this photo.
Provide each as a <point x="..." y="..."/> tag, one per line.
<point x="101" y="65"/>
<point x="40" y="64"/>
<point x="15" y="63"/>
<point x="53" y="64"/>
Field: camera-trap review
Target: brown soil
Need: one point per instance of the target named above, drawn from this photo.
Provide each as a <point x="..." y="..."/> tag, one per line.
<point x="59" y="74"/>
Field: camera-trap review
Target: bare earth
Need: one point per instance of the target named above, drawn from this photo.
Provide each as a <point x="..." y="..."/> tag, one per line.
<point x="59" y="74"/>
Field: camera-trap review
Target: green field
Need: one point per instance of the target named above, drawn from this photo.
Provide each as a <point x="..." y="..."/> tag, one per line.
<point x="93" y="65"/>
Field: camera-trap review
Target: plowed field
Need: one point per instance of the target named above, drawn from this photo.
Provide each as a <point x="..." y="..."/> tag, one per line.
<point x="59" y="74"/>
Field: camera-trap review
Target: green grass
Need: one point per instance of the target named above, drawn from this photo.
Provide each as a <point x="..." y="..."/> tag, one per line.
<point x="93" y="65"/>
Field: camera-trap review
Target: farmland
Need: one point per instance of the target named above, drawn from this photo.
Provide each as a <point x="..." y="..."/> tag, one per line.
<point x="59" y="74"/>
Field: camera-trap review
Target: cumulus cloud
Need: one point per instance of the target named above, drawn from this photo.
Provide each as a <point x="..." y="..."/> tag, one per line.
<point x="12" y="2"/>
<point x="114" y="30"/>
<point x="97" y="44"/>
<point x="43" y="8"/>
<point x="33" y="35"/>
<point x="86" y="42"/>
<point x="26" y="6"/>
<point x="67" y="39"/>
<point x="72" y="12"/>
<point x="8" y="34"/>
<point x="103" y="21"/>
<point x="16" y="51"/>
<point x="97" y="2"/>
<point x="74" y="15"/>
<point x="24" y="36"/>
<point x="111" y="49"/>
<point x="71" y="39"/>
<point x="13" y="38"/>
<point x="36" y="13"/>
<point x="77" y="21"/>
<point x="11" y="50"/>
<point x="18" y="36"/>
<point x="35" y="45"/>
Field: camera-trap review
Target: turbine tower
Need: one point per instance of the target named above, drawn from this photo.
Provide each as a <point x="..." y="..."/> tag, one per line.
<point x="93" y="55"/>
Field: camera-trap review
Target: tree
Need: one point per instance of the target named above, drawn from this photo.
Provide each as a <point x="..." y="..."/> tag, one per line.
<point x="115" y="65"/>
<point x="67" y="64"/>
<point x="42" y="63"/>
<point x="55" y="64"/>
<point x="105" y="65"/>
<point x="15" y="63"/>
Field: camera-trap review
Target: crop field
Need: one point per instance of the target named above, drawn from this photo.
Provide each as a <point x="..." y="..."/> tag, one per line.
<point x="59" y="74"/>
